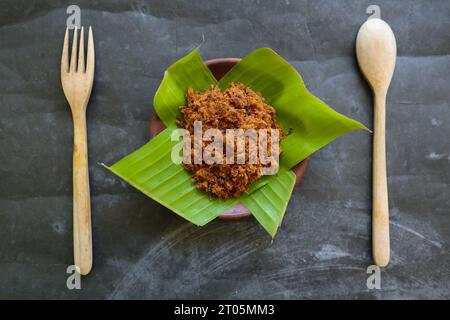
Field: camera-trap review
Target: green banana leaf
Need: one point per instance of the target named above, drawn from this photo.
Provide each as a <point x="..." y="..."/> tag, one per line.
<point x="311" y="122"/>
<point x="188" y="72"/>
<point x="268" y="203"/>
<point x="151" y="170"/>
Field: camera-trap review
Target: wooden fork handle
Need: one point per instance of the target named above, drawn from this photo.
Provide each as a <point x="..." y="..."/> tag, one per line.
<point x="380" y="209"/>
<point x="82" y="232"/>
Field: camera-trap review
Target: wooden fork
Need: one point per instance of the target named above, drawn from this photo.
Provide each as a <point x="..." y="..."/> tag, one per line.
<point x="77" y="83"/>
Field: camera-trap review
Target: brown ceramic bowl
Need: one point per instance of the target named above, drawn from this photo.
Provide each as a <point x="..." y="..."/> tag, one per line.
<point x="219" y="67"/>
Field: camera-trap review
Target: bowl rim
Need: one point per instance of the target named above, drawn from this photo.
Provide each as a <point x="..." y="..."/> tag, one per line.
<point x="222" y="60"/>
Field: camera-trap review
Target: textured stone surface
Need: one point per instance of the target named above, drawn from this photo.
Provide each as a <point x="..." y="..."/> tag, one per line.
<point x="142" y="250"/>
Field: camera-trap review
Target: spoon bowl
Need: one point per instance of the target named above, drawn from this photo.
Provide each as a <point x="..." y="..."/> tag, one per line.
<point x="376" y="51"/>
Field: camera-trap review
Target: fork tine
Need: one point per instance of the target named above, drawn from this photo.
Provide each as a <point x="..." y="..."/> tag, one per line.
<point x="65" y="53"/>
<point x="73" y="57"/>
<point x="90" y="63"/>
<point x="81" y="52"/>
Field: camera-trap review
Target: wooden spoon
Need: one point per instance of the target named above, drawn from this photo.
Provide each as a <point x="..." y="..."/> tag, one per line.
<point x="376" y="51"/>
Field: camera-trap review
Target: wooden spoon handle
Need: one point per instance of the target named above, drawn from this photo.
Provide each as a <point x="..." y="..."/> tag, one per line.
<point x="82" y="233"/>
<point x="380" y="208"/>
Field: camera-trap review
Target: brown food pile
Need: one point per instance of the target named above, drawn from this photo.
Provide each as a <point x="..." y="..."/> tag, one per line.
<point x="238" y="107"/>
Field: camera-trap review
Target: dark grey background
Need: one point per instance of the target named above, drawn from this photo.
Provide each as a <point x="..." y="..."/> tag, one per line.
<point x="141" y="249"/>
